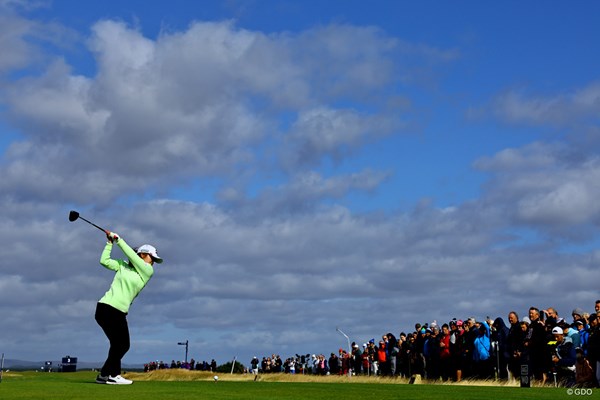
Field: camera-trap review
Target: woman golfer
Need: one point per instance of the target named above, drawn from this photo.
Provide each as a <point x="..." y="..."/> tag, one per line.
<point x="111" y="312"/>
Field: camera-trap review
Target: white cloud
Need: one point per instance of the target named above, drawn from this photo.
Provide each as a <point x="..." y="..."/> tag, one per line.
<point x="534" y="155"/>
<point x="196" y="103"/>
<point x="329" y="132"/>
<point x="302" y="193"/>
<point x="545" y="185"/>
<point x="516" y="106"/>
<point x="18" y="51"/>
<point x="21" y="38"/>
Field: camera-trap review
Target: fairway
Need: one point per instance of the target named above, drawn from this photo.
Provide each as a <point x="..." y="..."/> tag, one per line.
<point x="79" y="385"/>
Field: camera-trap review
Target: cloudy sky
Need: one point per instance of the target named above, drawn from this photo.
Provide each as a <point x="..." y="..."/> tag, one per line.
<point x="300" y="165"/>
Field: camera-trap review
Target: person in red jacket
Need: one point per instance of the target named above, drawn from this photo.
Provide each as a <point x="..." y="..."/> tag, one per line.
<point x="366" y="361"/>
<point x="382" y="359"/>
<point x="445" y="356"/>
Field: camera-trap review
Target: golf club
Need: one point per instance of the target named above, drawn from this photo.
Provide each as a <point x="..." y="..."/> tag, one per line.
<point x="74" y="215"/>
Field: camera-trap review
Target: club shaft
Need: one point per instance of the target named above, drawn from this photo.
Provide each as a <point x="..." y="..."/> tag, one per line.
<point x="93" y="224"/>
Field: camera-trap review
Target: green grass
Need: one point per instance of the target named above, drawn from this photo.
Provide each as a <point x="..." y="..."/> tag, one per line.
<point x="80" y="385"/>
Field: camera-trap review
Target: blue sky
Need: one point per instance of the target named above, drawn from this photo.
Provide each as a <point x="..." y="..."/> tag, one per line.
<point x="299" y="164"/>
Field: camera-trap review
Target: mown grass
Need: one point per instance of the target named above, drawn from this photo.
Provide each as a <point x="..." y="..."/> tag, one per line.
<point x="194" y="385"/>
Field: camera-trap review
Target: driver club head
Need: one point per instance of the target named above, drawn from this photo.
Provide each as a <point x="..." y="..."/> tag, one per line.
<point x="73" y="215"/>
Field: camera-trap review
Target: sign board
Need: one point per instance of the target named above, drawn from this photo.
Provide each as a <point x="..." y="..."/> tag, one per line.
<point x="525" y="382"/>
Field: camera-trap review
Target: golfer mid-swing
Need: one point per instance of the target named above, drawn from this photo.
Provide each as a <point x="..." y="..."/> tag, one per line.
<point x="111" y="312"/>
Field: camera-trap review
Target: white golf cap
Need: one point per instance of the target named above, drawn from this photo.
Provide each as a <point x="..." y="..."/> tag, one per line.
<point x="148" y="249"/>
<point x="557" y="330"/>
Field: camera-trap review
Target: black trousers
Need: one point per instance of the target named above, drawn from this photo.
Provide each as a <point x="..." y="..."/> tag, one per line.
<point x="114" y="324"/>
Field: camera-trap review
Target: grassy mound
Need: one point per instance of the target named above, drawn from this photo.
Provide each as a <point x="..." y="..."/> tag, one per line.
<point x="183" y="375"/>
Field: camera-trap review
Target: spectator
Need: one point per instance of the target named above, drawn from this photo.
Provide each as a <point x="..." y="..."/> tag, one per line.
<point x="392" y="352"/>
<point x="584" y="373"/>
<point x="534" y="345"/>
<point x="445" y="355"/>
<point x="572" y="333"/>
<point x="333" y="364"/>
<point x="277" y="363"/>
<point x="457" y="344"/>
<point x="289" y="365"/>
<point x="345" y="359"/>
<point x="356" y="359"/>
<point x="516" y="336"/>
<point x="577" y="314"/>
<point x="432" y="353"/>
<point x="372" y="350"/>
<point x="564" y="357"/>
<point x="593" y="354"/>
<point x="415" y="359"/>
<point x="500" y="337"/>
<point x="365" y="360"/>
<point x="401" y="361"/>
<point x="420" y="347"/>
<point x="481" y="352"/>
<point x="427" y="345"/>
<point x="321" y="365"/>
<point x="584" y="335"/>
<point x="468" y="348"/>
<point x="552" y="318"/>
<point x="254" y="366"/>
<point x="382" y="358"/>
<point x="263" y="365"/>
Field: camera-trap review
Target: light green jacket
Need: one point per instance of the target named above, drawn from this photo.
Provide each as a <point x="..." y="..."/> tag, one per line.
<point x="130" y="278"/>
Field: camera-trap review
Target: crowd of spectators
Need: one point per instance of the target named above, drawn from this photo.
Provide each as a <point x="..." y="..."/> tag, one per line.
<point x="542" y="346"/>
<point x="191" y="365"/>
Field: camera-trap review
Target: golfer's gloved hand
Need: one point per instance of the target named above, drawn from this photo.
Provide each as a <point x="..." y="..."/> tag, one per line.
<point x="112" y="237"/>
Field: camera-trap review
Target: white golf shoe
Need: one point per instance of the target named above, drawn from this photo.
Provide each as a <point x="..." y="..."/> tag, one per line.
<point x="118" y="380"/>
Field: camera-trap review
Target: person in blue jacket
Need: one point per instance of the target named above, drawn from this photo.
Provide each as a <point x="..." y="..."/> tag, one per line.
<point x="564" y="357"/>
<point x="483" y="366"/>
